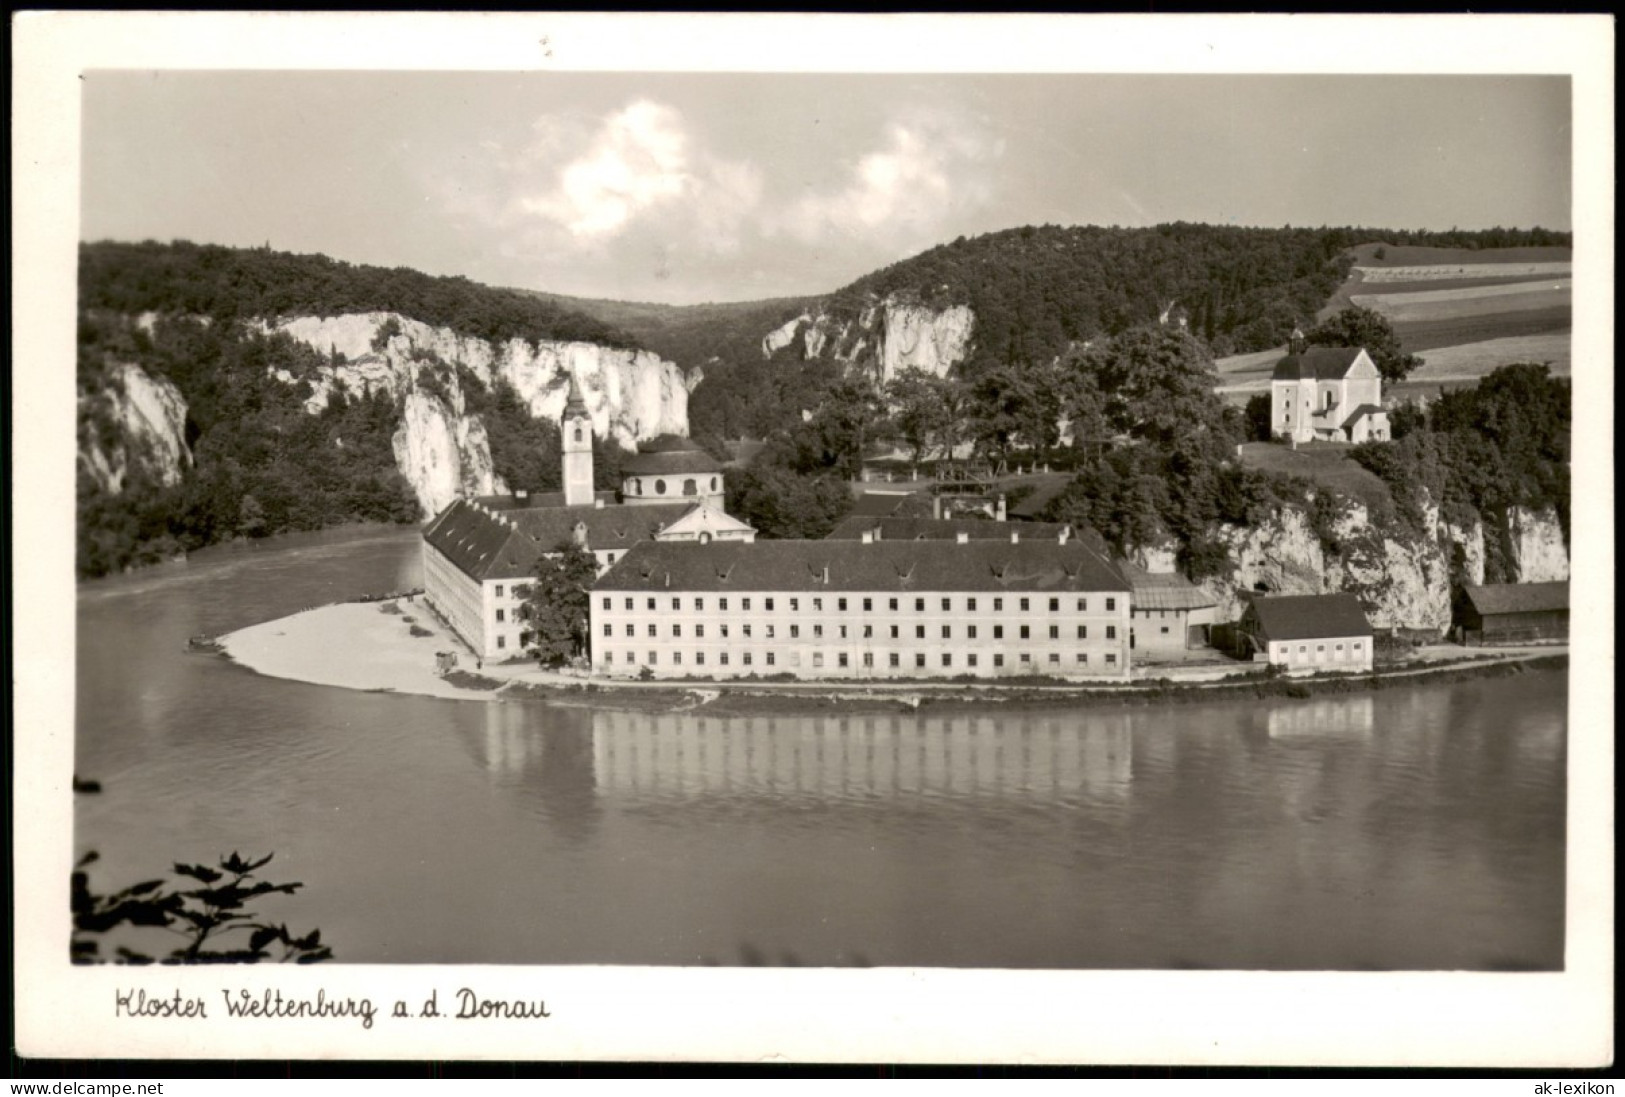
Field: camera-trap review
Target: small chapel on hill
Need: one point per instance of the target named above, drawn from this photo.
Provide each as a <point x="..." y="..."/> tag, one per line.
<point x="480" y="554"/>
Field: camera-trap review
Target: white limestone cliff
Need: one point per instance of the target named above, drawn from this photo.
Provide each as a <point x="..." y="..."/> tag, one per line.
<point x="442" y="453"/>
<point x="886" y="337"/>
<point x="1538" y="552"/>
<point x="139" y="425"/>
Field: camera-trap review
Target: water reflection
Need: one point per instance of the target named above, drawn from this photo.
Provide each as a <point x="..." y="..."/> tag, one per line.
<point x="547" y="755"/>
<point x="1331" y="719"/>
<point x="1033" y="758"/>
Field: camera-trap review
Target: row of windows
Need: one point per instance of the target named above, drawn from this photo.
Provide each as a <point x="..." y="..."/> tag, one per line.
<point x="771" y="632"/>
<point x="841" y="604"/>
<point x="1320" y="649"/>
<point x="842" y="659"/>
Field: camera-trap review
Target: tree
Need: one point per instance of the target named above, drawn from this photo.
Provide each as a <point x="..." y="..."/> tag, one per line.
<point x="555" y="608"/>
<point x="1158" y="383"/>
<point x="1015" y="407"/>
<point x="1259" y="427"/>
<point x="207" y="907"/>
<point x="782" y="504"/>
<point x="918" y="411"/>
<point x="1361" y="327"/>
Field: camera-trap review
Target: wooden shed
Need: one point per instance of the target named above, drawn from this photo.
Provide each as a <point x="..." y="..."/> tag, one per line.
<point x="1308" y="632"/>
<point x="1509" y="613"/>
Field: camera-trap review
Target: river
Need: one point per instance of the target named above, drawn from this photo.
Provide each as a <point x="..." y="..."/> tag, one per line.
<point x="1415" y="828"/>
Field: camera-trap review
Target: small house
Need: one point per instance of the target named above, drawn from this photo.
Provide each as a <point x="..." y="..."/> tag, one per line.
<point x="1308" y="632"/>
<point x="1506" y="613"/>
<point x="1329" y="394"/>
<point x="1169" y="613"/>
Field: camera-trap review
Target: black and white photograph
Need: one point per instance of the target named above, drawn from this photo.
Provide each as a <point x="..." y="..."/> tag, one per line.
<point x="1046" y="539"/>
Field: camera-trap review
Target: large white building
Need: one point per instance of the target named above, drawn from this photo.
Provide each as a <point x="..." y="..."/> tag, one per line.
<point x="862" y="609"/>
<point x="480" y="555"/>
<point x="1331" y="394"/>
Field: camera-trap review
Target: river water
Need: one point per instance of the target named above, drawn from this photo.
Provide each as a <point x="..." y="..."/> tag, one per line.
<point x="1413" y="828"/>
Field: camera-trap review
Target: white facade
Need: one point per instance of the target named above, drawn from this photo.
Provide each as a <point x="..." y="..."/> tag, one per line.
<point x="1308" y="408"/>
<point x="878" y="635"/>
<point x="1347" y="653"/>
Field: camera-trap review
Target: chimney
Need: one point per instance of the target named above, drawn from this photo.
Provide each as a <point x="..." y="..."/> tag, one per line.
<point x="1015" y="537"/>
<point x="521" y="494"/>
<point x="826" y="575"/>
<point x="597" y="503"/>
<point x="868" y="537"/>
<point x="998" y="509"/>
<point x="962" y="537"/>
<point x="1065" y="535"/>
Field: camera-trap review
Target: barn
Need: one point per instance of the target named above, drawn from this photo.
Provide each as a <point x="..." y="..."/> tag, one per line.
<point x="1508" y="613"/>
<point x="1308" y="632"/>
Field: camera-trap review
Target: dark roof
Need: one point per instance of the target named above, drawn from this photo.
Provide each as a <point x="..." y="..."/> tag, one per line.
<point x="1518" y="597"/>
<point x="1163" y="590"/>
<point x="1361" y="411"/>
<point x="1307" y="616"/>
<point x="877" y="504"/>
<point x="907" y="566"/>
<point x="944" y="529"/>
<point x="485" y="544"/>
<point x="574" y="406"/>
<point x="536" y="500"/>
<point x="671" y="454"/>
<point x="1319" y="363"/>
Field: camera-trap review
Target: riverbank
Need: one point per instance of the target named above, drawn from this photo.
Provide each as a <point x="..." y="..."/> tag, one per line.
<point x="392" y="646"/>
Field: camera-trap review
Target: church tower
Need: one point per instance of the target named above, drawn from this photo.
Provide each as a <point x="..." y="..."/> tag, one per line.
<point x="575" y="433"/>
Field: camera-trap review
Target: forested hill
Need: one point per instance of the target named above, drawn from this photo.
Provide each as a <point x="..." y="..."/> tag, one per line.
<point x="185" y="279"/>
<point x="1034" y="290"/>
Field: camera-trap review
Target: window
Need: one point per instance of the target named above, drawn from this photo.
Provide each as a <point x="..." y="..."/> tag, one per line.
<point x="818" y="632"/>
<point x="818" y="658"/>
<point x="769" y="602"/>
<point x="1055" y="605"/>
<point x="841" y="605"/>
<point x="653" y="658"/>
<point x="769" y="631"/>
<point x="795" y="632"/>
<point x="970" y="605"/>
<point x="660" y="487"/>
<point x="1111" y="605"/>
<point x="795" y="605"/>
<point x="1083" y="605"/>
<point x="868" y="604"/>
<point x="1055" y="632"/>
<point x="1054" y="658"/>
<point x="699" y="658"/>
<point x="919" y="605"/>
<point x="690" y="488"/>
<point x="1024" y="605"/>
<point x="843" y="632"/>
<point x="652" y="631"/>
<point x="1165" y="633"/>
<point x="1357" y="645"/>
<point x="1025" y="632"/>
<point x="1025" y="658"/>
<point x="744" y="604"/>
<point x="1083" y="658"/>
<point x="818" y="605"/>
<point x="1083" y="632"/>
<point x="723" y="658"/>
<point x="713" y="483"/>
<point x="894" y="659"/>
<point x="501" y="616"/>
<point x="893" y="605"/>
<point x="677" y="630"/>
<point x="745" y="630"/>
<point x="1111" y="659"/>
<point x="724" y="629"/>
<point x="677" y="658"/>
<point x="630" y="631"/>
<point x="723" y="603"/>
<point x="699" y="605"/>
<point x="970" y="632"/>
<point x="998" y="604"/>
<point x="609" y="629"/>
<point x="868" y="632"/>
<point x="769" y="658"/>
<point x="1339" y="646"/>
<point x="502" y="641"/>
<point x="841" y="658"/>
<point x="947" y="632"/>
<point x="1320" y="649"/>
<point x="699" y="632"/>
<point x="970" y="660"/>
<point x="998" y="632"/>
<point x="868" y="658"/>
<point x="1111" y="632"/>
<point x="919" y="632"/>
<point x="676" y="603"/>
<point x="499" y="595"/>
<point x="651" y="603"/>
<point x="894" y="632"/>
<point x="629" y="604"/>
<point x="947" y="660"/>
<point x="745" y="658"/>
<point x="919" y="658"/>
<point x="1303" y="649"/>
<point x="947" y="604"/>
<point x="998" y="660"/>
<point x="610" y="557"/>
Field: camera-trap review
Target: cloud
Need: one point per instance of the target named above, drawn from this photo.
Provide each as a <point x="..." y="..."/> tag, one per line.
<point x="930" y="166"/>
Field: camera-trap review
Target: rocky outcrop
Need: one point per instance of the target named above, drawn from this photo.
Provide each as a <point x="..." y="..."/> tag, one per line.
<point x="135" y="424"/>
<point x="886" y="337"/>
<point x="1538" y="552"/>
<point x="439" y="447"/>
<point x="442" y="453"/>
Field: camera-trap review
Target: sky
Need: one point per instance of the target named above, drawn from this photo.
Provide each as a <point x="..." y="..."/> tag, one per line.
<point x="692" y="187"/>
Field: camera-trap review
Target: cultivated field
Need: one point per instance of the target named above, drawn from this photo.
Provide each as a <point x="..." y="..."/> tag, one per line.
<point x="1419" y="336"/>
<point x="1407" y="255"/>
<point x="1470" y="361"/>
<point x="1454" y="271"/>
<point x="1454" y="304"/>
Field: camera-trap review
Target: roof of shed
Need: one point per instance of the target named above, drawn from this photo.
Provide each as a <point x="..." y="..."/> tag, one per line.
<point x="1518" y="597"/>
<point x="1308" y="616"/>
<point x="1164" y="590"/>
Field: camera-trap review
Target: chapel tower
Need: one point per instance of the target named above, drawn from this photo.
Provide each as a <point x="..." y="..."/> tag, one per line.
<point x="575" y="434"/>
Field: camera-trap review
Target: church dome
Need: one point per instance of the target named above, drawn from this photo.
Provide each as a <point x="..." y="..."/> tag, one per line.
<point x="669" y="454"/>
